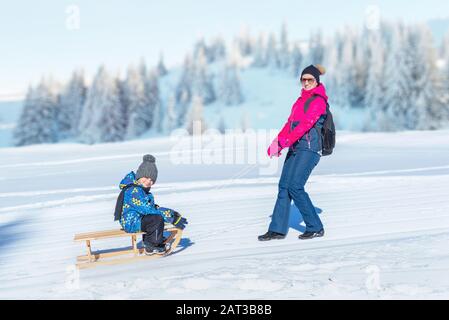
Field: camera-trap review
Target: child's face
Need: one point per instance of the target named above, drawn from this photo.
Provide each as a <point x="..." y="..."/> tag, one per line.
<point x="146" y="182"/>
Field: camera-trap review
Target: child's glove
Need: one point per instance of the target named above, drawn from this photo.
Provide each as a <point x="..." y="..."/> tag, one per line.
<point x="178" y="221"/>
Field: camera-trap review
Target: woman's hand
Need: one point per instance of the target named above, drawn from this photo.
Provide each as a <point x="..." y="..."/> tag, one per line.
<point x="274" y="150"/>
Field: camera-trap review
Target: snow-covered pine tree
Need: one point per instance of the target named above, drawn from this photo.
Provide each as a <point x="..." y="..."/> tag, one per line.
<point x="140" y="113"/>
<point x="184" y="87"/>
<point x="345" y="73"/>
<point x="38" y="121"/>
<point x="316" y="48"/>
<point x="182" y="107"/>
<point x="272" y="54"/>
<point x="444" y="51"/>
<point x="221" y="124"/>
<point x="260" y="52"/>
<point x="431" y="109"/>
<point x="332" y="62"/>
<point x="217" y="49"/>
<point x="203" y="85"/>
<point x="398" y="91"/>
<point x="161" y="69"/>
<point x="71" y="102"/>
<point x="103" y="118"/>
<point x="375" y="84"/>
<point x="195" y="124"/>
<point x="154" y="101"/>
<point x="170" y="118"/>
<point x="296" y="61"/>
<point x="361" y="58"/>
<point x="230" y="88"/>
<point x="245" y="43"/>
<point x="284" y="50"/>
<point x="24" y="133"/>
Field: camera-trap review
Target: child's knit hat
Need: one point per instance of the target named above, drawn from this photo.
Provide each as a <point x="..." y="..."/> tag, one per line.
<point x="147" y="168"/>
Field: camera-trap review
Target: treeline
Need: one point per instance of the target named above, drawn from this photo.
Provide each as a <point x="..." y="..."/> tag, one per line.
<point x="396" y="73"/>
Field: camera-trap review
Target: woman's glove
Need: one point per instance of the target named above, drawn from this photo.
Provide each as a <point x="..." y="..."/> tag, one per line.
<point x="275" y="148"/>
<point x="178" y="221"/>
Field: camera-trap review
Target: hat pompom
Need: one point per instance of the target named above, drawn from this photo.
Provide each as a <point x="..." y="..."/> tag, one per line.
<point x="149" y="158"/>
<point x="321" y="69"/>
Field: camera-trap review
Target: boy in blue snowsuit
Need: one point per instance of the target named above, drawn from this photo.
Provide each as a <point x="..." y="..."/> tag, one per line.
<point x="140" y="213"/>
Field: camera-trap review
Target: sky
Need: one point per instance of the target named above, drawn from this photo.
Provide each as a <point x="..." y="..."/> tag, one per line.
<point x="54" y="37"/>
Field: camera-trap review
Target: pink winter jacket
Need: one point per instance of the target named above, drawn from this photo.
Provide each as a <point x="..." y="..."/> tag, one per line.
<point x="287" y="137"/>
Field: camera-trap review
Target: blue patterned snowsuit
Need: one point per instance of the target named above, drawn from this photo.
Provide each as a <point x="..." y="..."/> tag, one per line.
<point x="137" y="203"/>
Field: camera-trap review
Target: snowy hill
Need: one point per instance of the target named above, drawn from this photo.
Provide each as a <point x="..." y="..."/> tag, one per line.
<point x="382" y="198"/>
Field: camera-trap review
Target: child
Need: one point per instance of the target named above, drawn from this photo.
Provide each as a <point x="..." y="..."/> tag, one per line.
<point x="140" y="213"/>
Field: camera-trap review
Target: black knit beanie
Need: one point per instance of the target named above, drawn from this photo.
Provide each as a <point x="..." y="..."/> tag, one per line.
<point x="314" y="71"/>
<point x="147" y="168"/>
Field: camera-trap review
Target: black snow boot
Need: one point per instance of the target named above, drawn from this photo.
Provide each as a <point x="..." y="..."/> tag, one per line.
<point x="156" y="249"/>
<point x="271" y="235"/>
<point x="309" y="235"/>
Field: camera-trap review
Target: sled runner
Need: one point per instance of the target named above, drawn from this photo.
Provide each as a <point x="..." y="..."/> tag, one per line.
<point x="92" y="259"/>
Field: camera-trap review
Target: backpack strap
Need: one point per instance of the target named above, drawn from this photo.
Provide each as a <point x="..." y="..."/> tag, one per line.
<point x="312" y="98"/>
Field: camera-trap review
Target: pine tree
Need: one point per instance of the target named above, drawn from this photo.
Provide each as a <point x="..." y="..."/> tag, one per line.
<point x="161" y="69"/>
<point x="260" y="53"/>
<point x="230" y="90"/>
<point x="71" y="103"/>
<point x="244" y="43"/>
<point x="221" y="125"/>
<point x="38" y="121"/>
<point x="103" y="118"/>
<point x="375" y="85"/>
<point x="202" y="81"/>
<point x="316" y="48"/>
<point x="284" y="52"/>
<point x="431" y="111"/>
<point x="195" y="123"/>
<point x="139" y="109"/>
<point x="296" y="61"/>
<point x="184" y="87"/>
<point x="217" y="49"/>
<point x="346" y="72"/>
<point x="171" y="122"/>
<point x="444" y="51"/>
<point x="398" y="93"/>
<point x="332" y="62"/>
<point x="154" y="101"/>
<point x="272" y="54"/>
<point x="24" y="133"/>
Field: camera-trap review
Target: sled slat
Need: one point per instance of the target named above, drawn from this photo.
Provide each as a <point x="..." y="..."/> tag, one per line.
<point x="110" y="234"/>
<point x="97" y="258"/>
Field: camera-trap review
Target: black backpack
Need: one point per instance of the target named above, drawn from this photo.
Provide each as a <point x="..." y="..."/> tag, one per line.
<point x="327" y="130"/>
<point x="119" y="203"/>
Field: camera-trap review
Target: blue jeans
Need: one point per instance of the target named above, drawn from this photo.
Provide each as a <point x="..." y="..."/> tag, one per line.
<point x="297" y="168"/>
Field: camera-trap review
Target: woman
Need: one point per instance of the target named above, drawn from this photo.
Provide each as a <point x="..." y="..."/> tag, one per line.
<point x="302" y="136"/>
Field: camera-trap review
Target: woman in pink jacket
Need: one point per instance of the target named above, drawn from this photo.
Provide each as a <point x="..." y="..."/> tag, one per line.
<point x="301" y="134"/>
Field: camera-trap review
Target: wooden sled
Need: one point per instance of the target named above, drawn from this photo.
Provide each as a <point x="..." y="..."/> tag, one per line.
<point x="92" y="259"/>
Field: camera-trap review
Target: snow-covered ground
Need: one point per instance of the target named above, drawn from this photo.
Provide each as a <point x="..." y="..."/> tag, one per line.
<point x="382" y="196"/>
